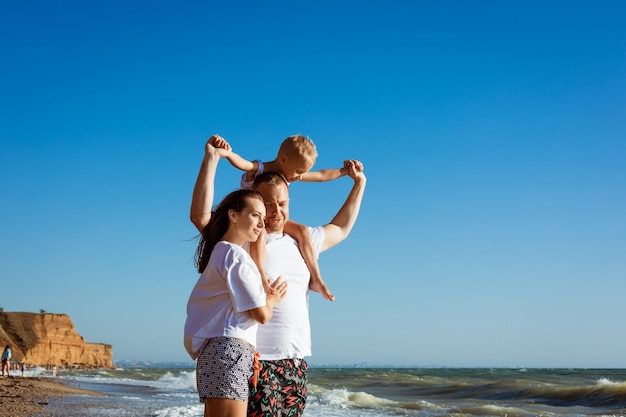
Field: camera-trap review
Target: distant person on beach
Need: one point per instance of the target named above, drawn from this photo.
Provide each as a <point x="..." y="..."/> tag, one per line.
<point x="296" y="156"/>
<point x="6" y="358"/>
<point x="22" y="365"/>
<point x="285" y="340"/>
<point x="227" y="303"/>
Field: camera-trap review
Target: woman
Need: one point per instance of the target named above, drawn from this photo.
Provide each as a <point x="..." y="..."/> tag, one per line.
<point x="6" y="358"/>
<point x="227" y="304"/>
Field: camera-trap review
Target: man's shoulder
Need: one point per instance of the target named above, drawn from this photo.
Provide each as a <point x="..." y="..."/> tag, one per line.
<point x="316" y="232"/>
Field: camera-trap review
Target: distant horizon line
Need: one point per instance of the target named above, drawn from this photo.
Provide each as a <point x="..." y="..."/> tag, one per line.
<point x="365" y="365"/>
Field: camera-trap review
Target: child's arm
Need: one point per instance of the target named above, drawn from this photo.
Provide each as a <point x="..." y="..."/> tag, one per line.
<point x="237" y="161"/>
<point x="324" y="175"/>
<point x="241" y="163"/>
<point x="257" y="253"/>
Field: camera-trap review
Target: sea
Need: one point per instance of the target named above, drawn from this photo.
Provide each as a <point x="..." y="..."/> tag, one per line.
<point x="168" y="390"/>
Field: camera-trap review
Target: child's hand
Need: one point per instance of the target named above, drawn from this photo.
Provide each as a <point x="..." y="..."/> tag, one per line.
<point x="354" y="169"/>
<point x="348" y="164"/>
<point x="217" y="144"/>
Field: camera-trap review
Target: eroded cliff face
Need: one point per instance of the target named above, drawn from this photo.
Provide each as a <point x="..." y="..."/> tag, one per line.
<point x="50" y="339"/>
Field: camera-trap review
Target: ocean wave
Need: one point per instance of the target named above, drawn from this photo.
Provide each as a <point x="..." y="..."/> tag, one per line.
<point x="180" y="383"/>
<point x="602" y="393"/>
<point x="599" y="389"/>
<point x="406" y="392"/>
<point x="343" y="398"/>
<point x="181" y="411"/>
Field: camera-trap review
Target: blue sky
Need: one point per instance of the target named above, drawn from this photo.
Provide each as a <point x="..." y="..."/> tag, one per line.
<point x="493" y="229"/>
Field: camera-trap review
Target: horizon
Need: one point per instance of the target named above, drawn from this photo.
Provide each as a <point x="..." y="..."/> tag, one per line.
<point x="370" y="366"/>
<point x="133" y="363"/>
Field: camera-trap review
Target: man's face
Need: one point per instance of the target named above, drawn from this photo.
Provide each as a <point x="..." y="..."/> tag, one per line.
<point x="276" y="199"/>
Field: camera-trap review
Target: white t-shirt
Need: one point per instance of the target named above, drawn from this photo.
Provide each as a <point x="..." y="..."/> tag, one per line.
<point x="288" y="333"/>
<point x="219" y="303"/>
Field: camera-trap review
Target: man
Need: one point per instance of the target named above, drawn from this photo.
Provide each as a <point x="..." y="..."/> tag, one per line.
<point x="286" y="339"/>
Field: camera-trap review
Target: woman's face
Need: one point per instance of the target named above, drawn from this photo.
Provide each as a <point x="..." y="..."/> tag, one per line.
<point x="249" y="222"/>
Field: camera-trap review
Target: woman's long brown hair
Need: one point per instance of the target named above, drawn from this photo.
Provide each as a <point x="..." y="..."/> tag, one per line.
<point x="218" y="225"/>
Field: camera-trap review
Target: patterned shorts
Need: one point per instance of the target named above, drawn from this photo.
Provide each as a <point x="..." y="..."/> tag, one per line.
<point x="224" y="369"/>
<point x="281" y="389"/>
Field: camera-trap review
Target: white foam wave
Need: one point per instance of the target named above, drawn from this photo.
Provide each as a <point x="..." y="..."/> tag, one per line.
<point x="611" y="386"/>
<point x="344" y="398"/>
<point x="186" y="411"/>
<point x="342" y="402"/>
<point x="183" y="382"/>
<point x="606" y="382"/>
<point x="34" y="371"/>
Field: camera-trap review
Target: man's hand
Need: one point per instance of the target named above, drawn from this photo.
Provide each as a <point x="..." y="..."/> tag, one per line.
<point x="341" y="225"/>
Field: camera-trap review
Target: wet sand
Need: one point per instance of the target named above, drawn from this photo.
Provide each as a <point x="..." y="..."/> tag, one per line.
<point x="28" y="396"/>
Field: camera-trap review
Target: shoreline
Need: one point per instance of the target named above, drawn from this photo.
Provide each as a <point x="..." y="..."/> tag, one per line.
<point x="23" y="396"/>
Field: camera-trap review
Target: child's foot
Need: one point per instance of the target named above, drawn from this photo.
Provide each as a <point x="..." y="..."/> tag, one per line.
<point x="318" y="285"/>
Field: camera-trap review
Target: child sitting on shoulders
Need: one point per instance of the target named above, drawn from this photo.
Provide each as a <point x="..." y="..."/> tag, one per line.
<point x="296" y="156"/>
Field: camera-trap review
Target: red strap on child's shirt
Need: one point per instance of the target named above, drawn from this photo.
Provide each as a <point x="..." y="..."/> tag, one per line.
<point x="257" y="367"/>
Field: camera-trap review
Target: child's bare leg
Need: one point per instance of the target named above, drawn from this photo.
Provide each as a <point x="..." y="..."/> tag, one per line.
<point x="301" y="234"/>
<point x="316" y="284"/>
<point x="257" y="252"/>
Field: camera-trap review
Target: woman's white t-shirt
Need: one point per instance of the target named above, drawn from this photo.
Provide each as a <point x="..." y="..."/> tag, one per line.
<point x="219" y="303"/>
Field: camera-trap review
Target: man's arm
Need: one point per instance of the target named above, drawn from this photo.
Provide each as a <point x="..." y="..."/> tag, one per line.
<point x="204" y="190"/>
<point x="341" y="225"/>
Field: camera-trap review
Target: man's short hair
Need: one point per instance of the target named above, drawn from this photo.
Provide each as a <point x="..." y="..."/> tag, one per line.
<point x="271" y="178"/>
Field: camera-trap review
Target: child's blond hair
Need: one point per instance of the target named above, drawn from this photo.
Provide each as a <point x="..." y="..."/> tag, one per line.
<point x="299" y="147"/>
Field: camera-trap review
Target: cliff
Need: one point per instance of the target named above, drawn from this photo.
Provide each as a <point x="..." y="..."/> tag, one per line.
<point x="50" y="339"/>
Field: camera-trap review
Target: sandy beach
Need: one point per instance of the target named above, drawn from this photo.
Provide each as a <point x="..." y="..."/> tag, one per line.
<point x="27" y="396"/>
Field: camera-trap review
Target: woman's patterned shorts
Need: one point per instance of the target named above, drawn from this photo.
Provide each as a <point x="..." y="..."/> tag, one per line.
<point x="224" y="369"/>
